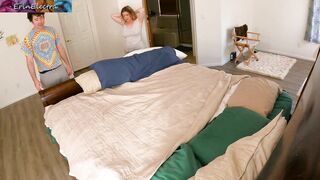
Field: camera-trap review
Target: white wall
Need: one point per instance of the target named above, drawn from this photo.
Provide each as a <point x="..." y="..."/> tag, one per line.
<point x="234" y="13"/>
<point x="282" y="25"/>
<point x="214" y="22"/>
<point x="15" y="80"/>
<point x="207" y="31"/>
<point x="108" y="33"/>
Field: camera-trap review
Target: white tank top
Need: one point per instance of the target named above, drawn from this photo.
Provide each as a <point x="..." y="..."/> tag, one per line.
<point x="132" y="36"/>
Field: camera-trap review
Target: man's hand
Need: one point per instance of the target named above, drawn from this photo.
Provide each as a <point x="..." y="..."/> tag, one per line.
<point x="32" y="73"/>
<point x="64" y="57"/>
<point x="38" y="85"/>
<point x="69" y="70"/>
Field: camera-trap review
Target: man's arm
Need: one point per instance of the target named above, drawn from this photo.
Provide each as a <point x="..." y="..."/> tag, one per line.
<point x="32" y="72"/>
<point x="65" y="60"/>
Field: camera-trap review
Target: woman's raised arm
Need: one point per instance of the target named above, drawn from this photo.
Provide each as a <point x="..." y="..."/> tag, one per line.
<point x="140" y="14"/>
<point x="117" y="18"/>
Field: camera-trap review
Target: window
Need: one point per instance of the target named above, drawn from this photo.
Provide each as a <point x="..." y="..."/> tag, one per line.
<point x="313" y="26"/>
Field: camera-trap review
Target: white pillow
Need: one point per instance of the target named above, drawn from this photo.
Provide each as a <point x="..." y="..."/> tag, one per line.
<point x="89" y="82"/>
<point x="180" y="55"/>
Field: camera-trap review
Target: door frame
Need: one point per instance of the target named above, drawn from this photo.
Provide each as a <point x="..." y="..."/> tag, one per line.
<point x="148" y="24"/>
<point x="94" y="31"/>
<point x="193" y="26"/>
<point x="193" y="29"/>
<point x="94" y="28"/>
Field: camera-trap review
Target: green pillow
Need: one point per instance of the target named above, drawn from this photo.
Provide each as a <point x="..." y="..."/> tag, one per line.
<point x="53" y="139"/>
<point x="182" y="164"/>
<point x="284" y="101"/>
<point x="232" y="124"/>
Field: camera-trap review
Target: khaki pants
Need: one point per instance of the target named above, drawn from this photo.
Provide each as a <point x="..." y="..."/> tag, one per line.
<point x="54" y="77"/>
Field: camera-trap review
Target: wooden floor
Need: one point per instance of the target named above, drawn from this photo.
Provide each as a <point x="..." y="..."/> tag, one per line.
<point x="26" y="152"/>
<point x="190" y="58"/>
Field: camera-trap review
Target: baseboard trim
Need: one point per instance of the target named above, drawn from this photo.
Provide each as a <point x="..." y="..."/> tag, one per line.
<point x="210" y="64"/>
<point x="286" y="54"/>
<point x="185" y="44"/>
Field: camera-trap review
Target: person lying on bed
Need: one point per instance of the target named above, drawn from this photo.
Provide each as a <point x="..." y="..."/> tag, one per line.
<point x="42" y="45"/>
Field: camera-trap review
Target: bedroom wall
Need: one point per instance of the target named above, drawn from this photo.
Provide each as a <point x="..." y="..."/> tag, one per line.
<point x="15" y="80"/>
<point x="214" y="21"/>
<point x="108" y="33"/>
<point x="282" y="25"/>
<point x="207" y="39"/>
<point x="234" y="13"/>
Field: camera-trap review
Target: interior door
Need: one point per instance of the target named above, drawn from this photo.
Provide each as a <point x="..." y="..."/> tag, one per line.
<point x="184" y="22"/>
<point x="78" y="35"/>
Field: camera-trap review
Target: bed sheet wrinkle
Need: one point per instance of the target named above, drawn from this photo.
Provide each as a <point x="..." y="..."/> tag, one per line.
<point x="132" y="129"/>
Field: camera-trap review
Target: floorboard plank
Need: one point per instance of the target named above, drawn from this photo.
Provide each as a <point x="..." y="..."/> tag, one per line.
<point x="26" y="152"/>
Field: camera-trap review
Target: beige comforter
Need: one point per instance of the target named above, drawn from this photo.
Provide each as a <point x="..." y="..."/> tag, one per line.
<point x="127" y="132"/>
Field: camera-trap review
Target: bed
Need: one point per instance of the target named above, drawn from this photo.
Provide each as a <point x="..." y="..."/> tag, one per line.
<point x="140" y="128"/>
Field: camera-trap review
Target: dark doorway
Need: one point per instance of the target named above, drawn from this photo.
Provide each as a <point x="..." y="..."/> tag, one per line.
<point x="170" y="23"/>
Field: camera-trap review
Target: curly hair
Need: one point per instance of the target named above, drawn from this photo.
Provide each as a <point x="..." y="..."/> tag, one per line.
<point x="31" y="14"/>
<point x="129" y="10"/>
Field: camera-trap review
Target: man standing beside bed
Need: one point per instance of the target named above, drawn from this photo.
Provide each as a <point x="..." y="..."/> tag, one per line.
<point x="42" y="45"/>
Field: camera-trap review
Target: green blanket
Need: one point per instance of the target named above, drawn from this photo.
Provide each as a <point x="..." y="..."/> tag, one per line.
<point x="283" y="102"/>
<point x="234" y="123"/>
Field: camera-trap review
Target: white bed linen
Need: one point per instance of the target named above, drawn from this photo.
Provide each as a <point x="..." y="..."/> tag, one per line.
<point x="127" y="132"/>
<point x="224" y="101"/>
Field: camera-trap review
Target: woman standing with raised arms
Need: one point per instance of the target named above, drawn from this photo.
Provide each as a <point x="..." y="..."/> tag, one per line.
<point x="131" y="22"/>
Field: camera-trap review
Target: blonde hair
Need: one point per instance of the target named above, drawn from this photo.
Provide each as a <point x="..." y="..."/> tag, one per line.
<point x="129" y="10"/>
